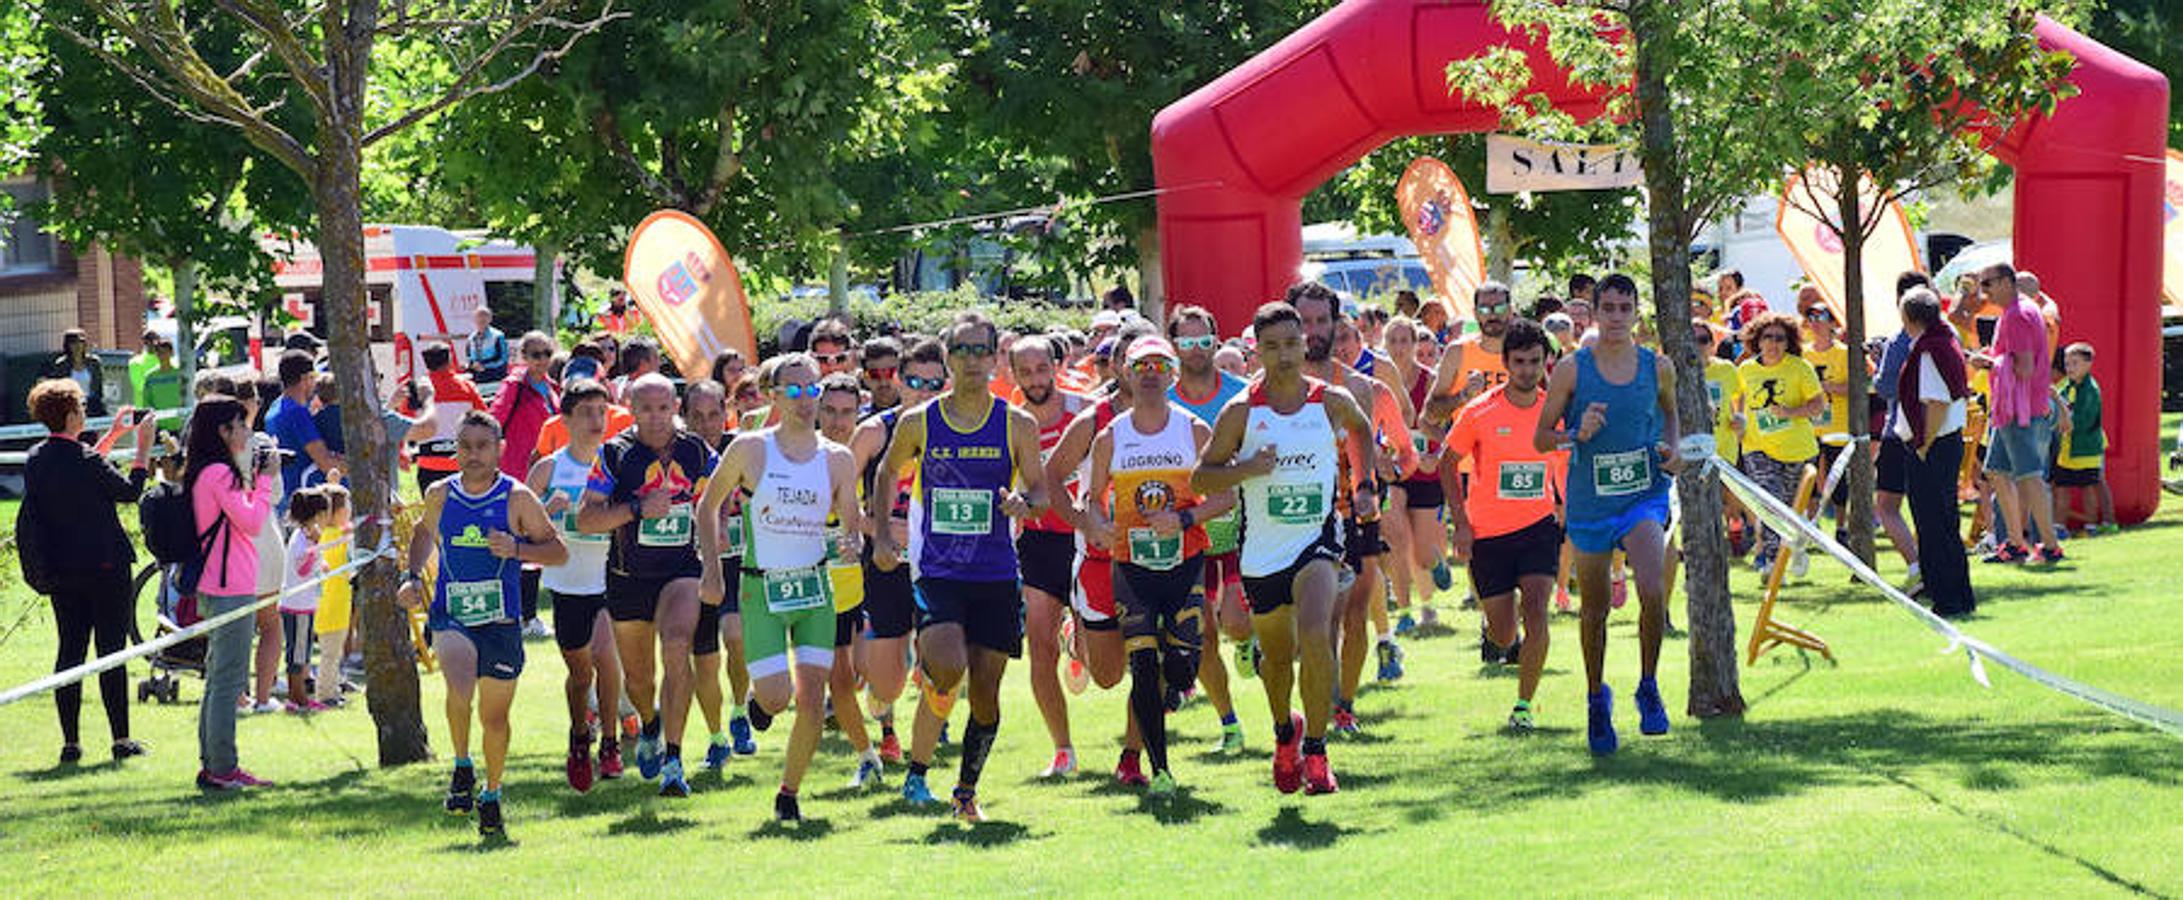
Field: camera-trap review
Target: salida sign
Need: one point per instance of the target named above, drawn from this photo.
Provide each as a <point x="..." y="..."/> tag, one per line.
<point x="1514" y="164"/>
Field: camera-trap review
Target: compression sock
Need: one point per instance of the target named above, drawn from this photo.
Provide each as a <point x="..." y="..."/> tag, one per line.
<point x="650" y="731"/>
<point x="977" y="742"/>
<point x="674" y="751"/>
<point x="1227" y="719"/>
<point x="1146" y="703"/>
<point x="919" y="769"/>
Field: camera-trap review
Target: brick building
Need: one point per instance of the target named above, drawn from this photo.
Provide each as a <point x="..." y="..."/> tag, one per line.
<point x="48" y="286"/>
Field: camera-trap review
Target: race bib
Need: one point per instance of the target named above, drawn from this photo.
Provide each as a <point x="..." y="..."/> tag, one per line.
<point x="1826" y="415"/>
<point x="1621" y="474"/>
<point x="1296" y="504"/>
<point x="1221" y="532"/>
<point x="474" y="603"/>
<point x="735" y="536"/>
<point x="671" y="530"/>
<point x="1148" y="549"/>
<point x="1418" y="442"/>
<point x="1713" y="390"/>
<point x="568" y="528"/>
<point x="1522" y="480"/>
<point x="1768" y="423"/>
<point x="796" y="590"/>
<point x="962" y="511"/>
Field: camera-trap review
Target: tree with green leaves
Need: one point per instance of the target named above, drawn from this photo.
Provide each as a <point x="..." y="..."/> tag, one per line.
<point x="1699" y="146"/>
<point x="1880" y="131"/>
<point x="316" y="119"/>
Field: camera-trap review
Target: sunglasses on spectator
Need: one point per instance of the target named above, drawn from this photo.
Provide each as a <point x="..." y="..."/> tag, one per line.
<point x="1153" y="364"/>
<point x="880" y="373"/>
<point x="1492" y="309"/>
<point x="538" y="354"/>
<point x="1774" y="336"/>
<point x="978" y="350"/>
<point x="1816" y="314"/>
<point x="1201" y="342"/>
<point x="797" y="391"/>
<point x="924" y="384"/>
<point x="831" y="359"/>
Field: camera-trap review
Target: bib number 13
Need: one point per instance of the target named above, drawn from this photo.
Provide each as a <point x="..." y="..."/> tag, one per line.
<point x="962" y="511"/>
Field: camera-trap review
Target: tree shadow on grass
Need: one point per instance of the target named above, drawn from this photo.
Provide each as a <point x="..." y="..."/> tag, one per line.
<point x="648" y="822"/>
<point x="806" y="830"/>
<point x="1289" y="828"/>
<point x="66" y="771"/>
<point x="980" y="834"/>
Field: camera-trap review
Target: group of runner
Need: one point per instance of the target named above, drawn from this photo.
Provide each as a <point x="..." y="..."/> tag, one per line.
<point x="926" y="512"/>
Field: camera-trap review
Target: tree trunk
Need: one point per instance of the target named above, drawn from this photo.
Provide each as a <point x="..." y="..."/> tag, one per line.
<point x="1714" y="687"/>
<point x="185" y="329"/>
<point x="1152" y="300"/>
<point x="837" y="276"/>
<point x="545" y="290"/>
<point x="1848" y="178"/>
<point x="1500" y="244"/>
<point x="390" y="664"/>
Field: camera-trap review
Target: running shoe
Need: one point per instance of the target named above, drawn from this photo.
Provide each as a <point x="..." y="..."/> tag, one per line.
<point x="1985" y="546"/>
<point x="915" y="792"/>
<point x="1128" y="773"/>
<point x="1288" y="765"/>
<point x="460" y="799"/>
<point x="671" y="781"/>
<point x="578" y="767"/>
<point x="1404" y="625"/>
<point x="1163" y="784"/>
<point x="1345" y="721"/>
<point x="1514" y="653"/>
<point x="739" y="734"/>
<point x="125" y="748"/>
<point x="966" y="805"/>
<point x="269" y="706"/>
<point x="1063" y="766"/>
<point x="489" y="823"/>
<point x="1390" y="657"/>
<point x="2008" y="553"/>
<point x="716" y="755"/>
<point x="610" y="759"/>
<point x="1520" y="719"/>
<point x="890" y="748"/>
<point x="1652" y="715"/>
<point x="1076" y="676"/>
<point x="220" y="781"/>
<point x="1231" y="740"/>
<point x="1800" y="562"/>
<point x="536" y="629"/>
<point x="71" y="754"/>
<point x="1488" y="651"/>
<point x="2044" y="556"/>
<point x="649" y="756"/>
<point x="1443" y="577"/>
<point x="307" y="707"/>
<point x="1318" y="776"/>
<point x="1599" y="728"/>
<point x="1621" y="589"/>
<point x="870" y="772"/>
<point x="1247" y="657"/>
<point x="631" y="724"/>
<point x="1561" y="600"/>
<point x="785" y="808"/>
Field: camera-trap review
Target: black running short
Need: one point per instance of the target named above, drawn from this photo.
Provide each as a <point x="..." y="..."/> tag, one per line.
<point x="1423" y="493"/>
<point x="846" y="625"/>
<point x="1498" y="563"/>
<point x="1154" y="603"/>
<point x="1271" y="592"/>
<point x="573" y="617"/>
<point x="1047" y="558"/>
<point x="990" y="612"/>
<point x="632" y="599"/>
<point x="1361" y="541"/>
<point x="890" y="604"/>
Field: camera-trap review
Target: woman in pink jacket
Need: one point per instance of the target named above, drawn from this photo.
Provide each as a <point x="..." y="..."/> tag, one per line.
<point x="230" y="510"/>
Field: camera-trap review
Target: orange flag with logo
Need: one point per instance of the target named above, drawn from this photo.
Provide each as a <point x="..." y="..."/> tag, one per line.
<point x="688" y="289"/>
<point x="1437" y="210"/>
<point x="1891" y="250"/>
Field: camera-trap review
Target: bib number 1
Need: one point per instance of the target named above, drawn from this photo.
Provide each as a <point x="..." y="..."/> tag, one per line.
<point x="1148" y="549"/>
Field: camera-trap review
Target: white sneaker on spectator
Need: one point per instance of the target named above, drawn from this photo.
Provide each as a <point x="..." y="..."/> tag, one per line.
<point x="270" y="706"/>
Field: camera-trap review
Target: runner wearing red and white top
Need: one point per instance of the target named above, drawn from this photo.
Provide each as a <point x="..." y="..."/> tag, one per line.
<point x="1506" y="519"/>
<point x="1046" y="548"/>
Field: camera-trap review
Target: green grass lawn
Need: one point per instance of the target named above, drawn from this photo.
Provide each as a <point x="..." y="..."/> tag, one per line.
<point x="1889" y="773"/>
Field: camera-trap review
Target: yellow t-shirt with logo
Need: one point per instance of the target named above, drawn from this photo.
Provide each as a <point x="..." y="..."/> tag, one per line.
<point x="1788" y="384"/>
<point x="1832" y="366"/>
<point x="1722" y="385"/>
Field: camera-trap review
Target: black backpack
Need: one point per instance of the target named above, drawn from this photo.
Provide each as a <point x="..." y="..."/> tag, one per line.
<point x="169" y="523"/>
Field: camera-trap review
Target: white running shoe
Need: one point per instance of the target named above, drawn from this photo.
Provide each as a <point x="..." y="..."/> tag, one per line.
<point x="536" y="629"/>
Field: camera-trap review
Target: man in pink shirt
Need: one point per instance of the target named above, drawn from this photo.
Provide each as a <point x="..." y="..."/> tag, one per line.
<point x="2016" y="458"/>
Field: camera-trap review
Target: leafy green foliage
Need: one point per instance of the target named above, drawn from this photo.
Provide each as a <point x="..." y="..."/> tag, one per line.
<point x="925" y="312"/>
<point x="2151" y="32"/>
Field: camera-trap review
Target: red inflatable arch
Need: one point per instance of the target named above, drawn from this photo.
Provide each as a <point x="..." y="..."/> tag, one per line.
<point x="1236" y="157"/>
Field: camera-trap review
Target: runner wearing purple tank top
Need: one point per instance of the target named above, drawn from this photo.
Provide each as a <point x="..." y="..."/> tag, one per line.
<point x="978" y="467"/>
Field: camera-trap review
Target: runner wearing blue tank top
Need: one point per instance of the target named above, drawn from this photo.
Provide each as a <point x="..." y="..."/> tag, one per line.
<point x="794" y="476"/>
<point x="977" y="468"/>
<point x="1617" y="401"/>
<point x="642" y="493"/>
<point x="482" y="526"/>
<point x="1278" y="446"/>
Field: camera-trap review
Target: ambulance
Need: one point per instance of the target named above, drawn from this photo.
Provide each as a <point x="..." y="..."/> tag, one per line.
<point x="422" y="284"/>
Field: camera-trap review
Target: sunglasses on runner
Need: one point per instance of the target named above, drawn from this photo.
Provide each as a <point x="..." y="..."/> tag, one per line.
<point x="1201" y="342"/>
<point x="831" y="359"/>
<point x="923" y="384"/>
<point x="797" y="391"/>
<point x="880" y="373"/>
<point x="978" y="350"/>
<point x="1152" y="364"/>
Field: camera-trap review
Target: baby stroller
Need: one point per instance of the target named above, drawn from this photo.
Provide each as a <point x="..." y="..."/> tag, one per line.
<point x="164" y="684"/>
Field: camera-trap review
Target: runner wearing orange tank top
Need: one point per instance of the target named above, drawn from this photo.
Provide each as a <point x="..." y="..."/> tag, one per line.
<point x="1046" y="548"/>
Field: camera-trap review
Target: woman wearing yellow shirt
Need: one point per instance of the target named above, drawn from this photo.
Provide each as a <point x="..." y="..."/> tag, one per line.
<point x="1781" y="395"/>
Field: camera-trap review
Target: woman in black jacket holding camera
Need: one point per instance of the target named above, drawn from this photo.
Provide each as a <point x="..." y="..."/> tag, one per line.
<point x="75" y="552"/>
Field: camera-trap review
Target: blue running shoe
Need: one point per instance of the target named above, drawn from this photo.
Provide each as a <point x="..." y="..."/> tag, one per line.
<point x="671" y="782"/>
<point x="1599" y="730"/>
<point x="649" y="754"/>
<point x="1443" y="577"/>
<point x="916" y="793"/>
<point x="716" y="756"/>
<point x="1405" y="625"/>
<point x="739" y="731"/>
<point x="1652" y="715"/>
